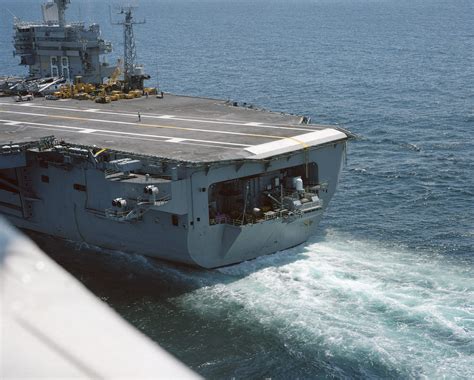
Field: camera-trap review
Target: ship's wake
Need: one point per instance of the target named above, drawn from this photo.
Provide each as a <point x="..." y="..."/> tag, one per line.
<point x="336" y="307"/>
<point x="344" y="307"/>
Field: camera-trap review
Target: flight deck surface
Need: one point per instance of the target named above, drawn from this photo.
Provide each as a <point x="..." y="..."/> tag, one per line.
<point x="176" y="127"/>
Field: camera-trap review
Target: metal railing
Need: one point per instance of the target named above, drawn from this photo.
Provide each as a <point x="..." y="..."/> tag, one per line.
<point x="283" y="214"/>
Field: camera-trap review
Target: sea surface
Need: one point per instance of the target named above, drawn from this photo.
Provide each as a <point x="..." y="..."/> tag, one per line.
<point x="386" y="289"/>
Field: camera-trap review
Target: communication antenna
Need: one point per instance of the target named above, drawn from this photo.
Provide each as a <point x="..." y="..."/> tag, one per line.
<point x="129" y="48"/>
<point x="80" y="12"/>
<point x="62" y="6"/>
<point x="9" y="11"/>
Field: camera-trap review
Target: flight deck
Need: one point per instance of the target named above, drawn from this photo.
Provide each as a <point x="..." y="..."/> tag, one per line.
<point x="176" y="127"/>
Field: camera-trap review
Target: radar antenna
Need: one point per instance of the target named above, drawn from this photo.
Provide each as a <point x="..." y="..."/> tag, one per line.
<point x="130" y="51"/>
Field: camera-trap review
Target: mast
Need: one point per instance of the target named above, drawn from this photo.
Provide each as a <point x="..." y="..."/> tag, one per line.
<point x="130" y="51"/>
<point x="62" y="6"/>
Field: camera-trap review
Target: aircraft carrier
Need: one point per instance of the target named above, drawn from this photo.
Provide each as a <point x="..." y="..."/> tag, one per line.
<point x="194" y="180"/>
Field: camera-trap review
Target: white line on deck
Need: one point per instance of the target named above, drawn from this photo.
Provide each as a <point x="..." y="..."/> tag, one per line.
<point x="86" y="130"/>
<point x="146" y="125"/>
<point x="213" y="145"/>
<point x="175" y="140"/>
<point x="120" y="133"/>
<point x="155" y="116"/>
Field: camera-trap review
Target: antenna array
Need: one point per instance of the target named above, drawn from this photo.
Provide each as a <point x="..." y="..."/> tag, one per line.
<point x="130" y="51"/>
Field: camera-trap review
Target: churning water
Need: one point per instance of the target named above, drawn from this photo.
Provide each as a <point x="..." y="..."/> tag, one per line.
<point x="337" y="307"/>
<point x="386" y="289"/>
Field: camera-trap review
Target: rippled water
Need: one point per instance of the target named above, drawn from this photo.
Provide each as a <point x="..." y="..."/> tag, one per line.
<point x="335" y="307"/>
<point x="386" y="289"/>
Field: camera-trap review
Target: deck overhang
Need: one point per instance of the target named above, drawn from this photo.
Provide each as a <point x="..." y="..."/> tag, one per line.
<point x="295" y="143"/>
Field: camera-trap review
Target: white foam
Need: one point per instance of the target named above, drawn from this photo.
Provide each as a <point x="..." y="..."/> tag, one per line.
<point x="357" y="299"/>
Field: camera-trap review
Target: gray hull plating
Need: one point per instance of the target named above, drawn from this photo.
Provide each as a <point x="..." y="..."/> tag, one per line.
<point x="70" y="201"/>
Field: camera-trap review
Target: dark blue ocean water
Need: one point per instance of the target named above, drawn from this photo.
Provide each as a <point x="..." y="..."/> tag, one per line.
<point x="386" y="288"/>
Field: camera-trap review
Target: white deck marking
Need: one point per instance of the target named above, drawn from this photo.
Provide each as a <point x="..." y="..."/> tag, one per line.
<point x="155" y="116"/>
<point x="90" y="110"/>
<point x="213" y="145"/>
<point x="13" y="123"/>
<point x="133" y="138"/>
<point x="175" y="140"/>
<point x="86" y="130"/>
<point x="146" y="125"/>
<point x="293" y="143"/>
<point x="111" y="133"/>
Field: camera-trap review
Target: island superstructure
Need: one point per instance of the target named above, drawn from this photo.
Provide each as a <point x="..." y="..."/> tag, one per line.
<point x="194" y="180"/>
<point x="58" y="49"/>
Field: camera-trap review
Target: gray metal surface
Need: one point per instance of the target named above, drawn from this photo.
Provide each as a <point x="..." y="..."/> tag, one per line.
<point x="177" y="127"/>
<point x="52" y="47"/>
<point x="202" y="214"/>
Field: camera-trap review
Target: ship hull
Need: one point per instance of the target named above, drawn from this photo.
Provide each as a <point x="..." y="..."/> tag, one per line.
<point x="202" y="182"/>
<point x="180" y="230"/>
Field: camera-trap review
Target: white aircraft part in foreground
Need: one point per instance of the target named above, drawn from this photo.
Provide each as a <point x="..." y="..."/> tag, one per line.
<point x="52" y="326"/>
